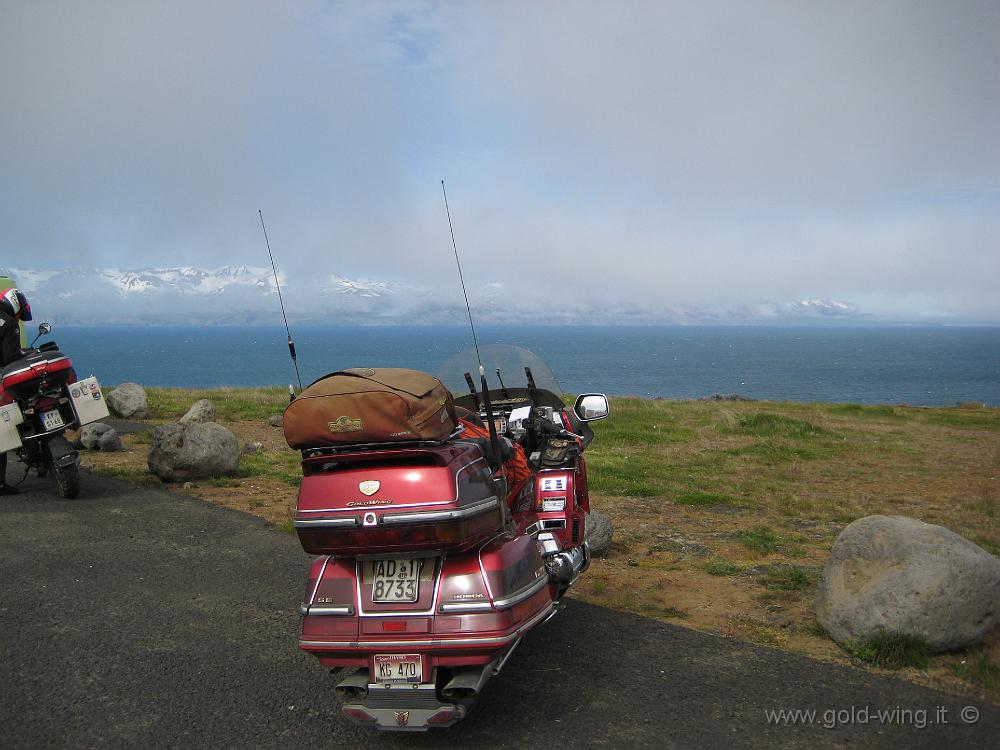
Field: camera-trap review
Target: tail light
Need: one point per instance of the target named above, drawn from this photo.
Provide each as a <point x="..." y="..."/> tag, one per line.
<point x="329" y="606"/>
<point x="464" y="592"/>
<point x="459" y="534"/>
<point x="334" y="588"/>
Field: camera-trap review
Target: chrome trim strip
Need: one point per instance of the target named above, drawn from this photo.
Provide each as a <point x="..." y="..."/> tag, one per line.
<point x="319" y="579"/>
<point x="390" y="519"/>
<point x="360" y="508"/>
<point x="498" y="640"/>
<point x="503" y="661"/>
<point x="322" y="611"/>
<point x="37" y="435"/>
<point x="467" y="607"/>
<point x="525" y="593"/>
<point x="306" y="523"/>
<point x="481" y="459"/>
<point x="482" y="568"/>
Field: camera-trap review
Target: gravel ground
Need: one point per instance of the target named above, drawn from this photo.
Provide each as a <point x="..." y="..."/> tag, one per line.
<point x="135" y="617"/>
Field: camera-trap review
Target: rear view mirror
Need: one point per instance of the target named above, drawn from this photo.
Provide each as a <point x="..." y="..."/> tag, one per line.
<point x="44" y="329"/>
<point x="590" y="407"/>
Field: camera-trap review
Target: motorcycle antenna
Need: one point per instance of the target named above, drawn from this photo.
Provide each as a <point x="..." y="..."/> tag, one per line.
<point x="291" y="344"/>
<point x="461" y="277"/>
<point x="494" y="459"/>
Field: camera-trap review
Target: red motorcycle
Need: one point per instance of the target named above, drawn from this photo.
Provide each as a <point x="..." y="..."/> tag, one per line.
<point x="41" y="398"/>
<point x="437" y="557"/>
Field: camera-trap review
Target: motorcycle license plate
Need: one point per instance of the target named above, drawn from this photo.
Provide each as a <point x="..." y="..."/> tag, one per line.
<point x="395" y="580"/>
<point x="52" y="420"/>
<point x="390" y="668"/>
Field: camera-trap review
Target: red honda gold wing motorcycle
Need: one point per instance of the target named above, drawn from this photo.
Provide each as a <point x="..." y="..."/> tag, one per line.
<point x="437" y="557"/>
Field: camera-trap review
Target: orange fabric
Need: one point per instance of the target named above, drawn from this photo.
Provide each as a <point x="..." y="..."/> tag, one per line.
<point x="515" y="469"/>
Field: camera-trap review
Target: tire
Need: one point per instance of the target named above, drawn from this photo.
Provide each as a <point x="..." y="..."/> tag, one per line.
<point x="68" y="478"/>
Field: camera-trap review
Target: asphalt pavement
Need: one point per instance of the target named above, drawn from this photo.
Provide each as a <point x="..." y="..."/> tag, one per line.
<point x="134" y="617"/>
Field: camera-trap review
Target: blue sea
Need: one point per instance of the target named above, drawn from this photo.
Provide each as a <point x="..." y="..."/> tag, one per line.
<point x="870" y="365"/>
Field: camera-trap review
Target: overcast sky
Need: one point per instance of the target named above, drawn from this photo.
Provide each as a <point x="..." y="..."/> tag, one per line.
<point x="654" y="154"/>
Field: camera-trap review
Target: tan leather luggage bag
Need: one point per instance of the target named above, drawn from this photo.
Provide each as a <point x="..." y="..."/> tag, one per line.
<point x="370" y="406"/>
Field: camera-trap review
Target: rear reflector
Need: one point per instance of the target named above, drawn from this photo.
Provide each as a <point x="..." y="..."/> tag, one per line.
<point x="358" y="713"/>
<point x="394" y="626"/>
<point x="445" y="715"/>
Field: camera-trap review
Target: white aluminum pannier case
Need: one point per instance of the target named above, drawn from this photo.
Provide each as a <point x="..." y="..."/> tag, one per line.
<point x="10" y="418"/>
<point x="88" y="401"/>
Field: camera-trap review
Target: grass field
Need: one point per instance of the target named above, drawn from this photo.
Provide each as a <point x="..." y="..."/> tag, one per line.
<point x="724" y="511"/>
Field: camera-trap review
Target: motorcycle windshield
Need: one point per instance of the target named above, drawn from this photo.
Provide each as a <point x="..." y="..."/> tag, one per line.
<point x="510" y="360"/>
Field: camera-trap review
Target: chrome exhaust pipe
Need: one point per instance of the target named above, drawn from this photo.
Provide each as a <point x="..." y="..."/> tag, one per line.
<point x="467" y="682"/>
<point x="354" y="686"/>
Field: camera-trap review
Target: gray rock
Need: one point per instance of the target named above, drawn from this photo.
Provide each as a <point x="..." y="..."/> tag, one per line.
<point x="129" y="401"/>
<point x="201" y="411"/>
<point x="182" y="452"/>
<point x="109" y="441"/>
<point x="98" y="436"/>
<point x="902" y="575"/>
<point x="275" y="420"/>
<point x="251" y="448"/>
<point x="90" y="435"/>
<point x="598" y="531"/>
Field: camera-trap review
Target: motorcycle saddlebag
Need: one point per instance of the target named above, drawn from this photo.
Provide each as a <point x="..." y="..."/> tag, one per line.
<point x="358" y="406"/>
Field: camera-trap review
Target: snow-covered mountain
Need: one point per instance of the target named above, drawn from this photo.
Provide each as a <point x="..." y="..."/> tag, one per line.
<point x="188" y="280"/>
<point x="829" y="307"/>
<point x="247" y="295"/>
<point x="230" y="294"/>
<point x="185" y="280"/>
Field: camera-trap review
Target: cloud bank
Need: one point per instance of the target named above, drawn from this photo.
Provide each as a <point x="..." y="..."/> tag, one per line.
<point x="644" y="156"/>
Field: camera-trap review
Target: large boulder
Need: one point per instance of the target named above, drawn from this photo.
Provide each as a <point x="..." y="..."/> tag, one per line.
<point x="98" y="436"/>
<point x="597" y="531"/>
<point x="902" y="575"/>
<point x="181" y="452"/>
<point x="201" y="411"/>
<point x="129" y="401"/>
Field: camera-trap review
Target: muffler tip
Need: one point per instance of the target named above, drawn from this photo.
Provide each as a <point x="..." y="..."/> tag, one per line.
<point x="457" y="694"/>
<point x="350" y="692"/>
